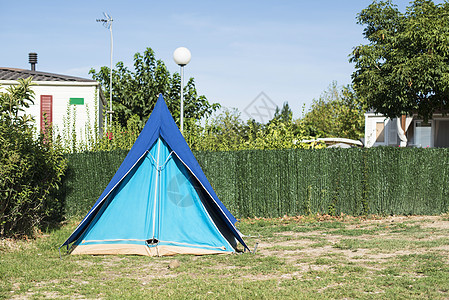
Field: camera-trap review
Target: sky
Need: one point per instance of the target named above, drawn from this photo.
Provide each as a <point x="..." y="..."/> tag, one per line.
<point x="244" y="53"/>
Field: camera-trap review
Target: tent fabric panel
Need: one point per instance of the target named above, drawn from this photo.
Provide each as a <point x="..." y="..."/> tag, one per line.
<point x="171" y="134"/>
<point x="126" y="213"/>
<point x="221" y="213"/>
<point x="217" y="219"/>
<point x="140" y="147"/>
<point x="182" y="214"/>
<point x="79" y="230"/>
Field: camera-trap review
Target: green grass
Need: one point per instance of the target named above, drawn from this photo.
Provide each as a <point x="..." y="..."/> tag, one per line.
<point x="297" y="258"/>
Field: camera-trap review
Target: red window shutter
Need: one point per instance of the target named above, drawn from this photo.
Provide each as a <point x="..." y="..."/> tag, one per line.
<point x="46" y="110"/>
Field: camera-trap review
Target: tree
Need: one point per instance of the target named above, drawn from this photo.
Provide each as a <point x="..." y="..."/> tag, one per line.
<point x="226" y="131"/>
<point x="13" y="103"/>
<point x="284" y="115"/>
<point x="351" y="117"/>
<point x="404" y="68"/>
<point x="336" y="113"/>
<point x="135" y="92"/>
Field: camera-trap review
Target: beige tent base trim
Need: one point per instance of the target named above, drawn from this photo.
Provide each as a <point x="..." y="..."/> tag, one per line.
<point x="132" y="249"/>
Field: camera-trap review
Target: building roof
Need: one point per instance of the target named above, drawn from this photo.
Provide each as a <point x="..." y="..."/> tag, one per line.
<point x="15" y="74"/>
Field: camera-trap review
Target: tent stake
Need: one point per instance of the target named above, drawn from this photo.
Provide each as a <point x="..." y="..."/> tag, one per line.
<point x="255" y="249"/>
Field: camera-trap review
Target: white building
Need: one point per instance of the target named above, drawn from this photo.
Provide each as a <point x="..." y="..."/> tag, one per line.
<point x="66" y="101"/>
<point x="409" y="131"/>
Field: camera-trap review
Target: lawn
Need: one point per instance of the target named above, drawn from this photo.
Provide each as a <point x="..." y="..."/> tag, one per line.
<point x="313" y="257"/>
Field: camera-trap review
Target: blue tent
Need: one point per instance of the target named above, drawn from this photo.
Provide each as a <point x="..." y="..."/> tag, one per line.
<point x="158" y="203"/>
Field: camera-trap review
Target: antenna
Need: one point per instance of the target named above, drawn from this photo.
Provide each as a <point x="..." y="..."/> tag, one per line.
<point x="107" y="23"/>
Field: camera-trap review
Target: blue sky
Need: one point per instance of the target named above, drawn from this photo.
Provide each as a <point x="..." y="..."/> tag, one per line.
<point x="290" y="49"/>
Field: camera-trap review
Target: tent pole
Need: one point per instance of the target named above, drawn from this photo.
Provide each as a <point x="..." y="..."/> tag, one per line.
<point x="156" y="186"/>
<point x="159" y="208"/>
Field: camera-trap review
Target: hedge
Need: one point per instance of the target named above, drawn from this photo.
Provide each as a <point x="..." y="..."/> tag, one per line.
<point x="273" y="183"/>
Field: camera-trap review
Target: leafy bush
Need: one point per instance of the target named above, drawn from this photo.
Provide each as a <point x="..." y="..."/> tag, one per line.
<point x="31" y="167"/>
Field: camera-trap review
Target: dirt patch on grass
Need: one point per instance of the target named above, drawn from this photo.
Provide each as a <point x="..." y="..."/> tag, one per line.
<point x="11" y="245"/>
<point x="324" y="243"/>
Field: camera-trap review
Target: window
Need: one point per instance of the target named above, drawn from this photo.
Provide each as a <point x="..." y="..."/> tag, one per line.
<point x="441" y="133"/>
<point x="46" y="111"/>
<point x="392" y="136"/>
<point x="423" y="134"/>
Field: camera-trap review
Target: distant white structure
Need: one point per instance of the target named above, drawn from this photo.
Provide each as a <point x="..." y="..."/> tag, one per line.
<point x="409" y="131"/>
<point x="60" y="98"/>
<point x="336" y="142"/>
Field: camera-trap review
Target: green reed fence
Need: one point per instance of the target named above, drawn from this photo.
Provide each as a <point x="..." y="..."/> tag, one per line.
<point x="272" y="183"/>
<point x="87" y="176"/>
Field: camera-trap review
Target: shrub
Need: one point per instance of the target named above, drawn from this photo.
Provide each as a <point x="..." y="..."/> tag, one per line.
<point x="31" y="167"/>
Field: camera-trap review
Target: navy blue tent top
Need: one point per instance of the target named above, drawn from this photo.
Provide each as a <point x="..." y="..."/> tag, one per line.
<point x="160" y="124"/>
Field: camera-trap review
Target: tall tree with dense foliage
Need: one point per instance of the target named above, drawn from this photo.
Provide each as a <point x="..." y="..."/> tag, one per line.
<point x="30" y="167"/>
<point x="224" y="132"/>
<point x="135" y="92"/>
<point x="404" y="67"/>
<point x="336" y="113"/>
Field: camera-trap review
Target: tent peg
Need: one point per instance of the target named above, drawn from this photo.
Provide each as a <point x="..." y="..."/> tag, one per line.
<point x="255" y="249"/>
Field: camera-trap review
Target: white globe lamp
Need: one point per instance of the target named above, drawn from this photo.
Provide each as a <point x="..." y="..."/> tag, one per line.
<point x="182" y="57"/>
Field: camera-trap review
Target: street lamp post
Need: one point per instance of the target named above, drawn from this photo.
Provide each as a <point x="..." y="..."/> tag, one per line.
<point x="182" y="57"/>
<point x="107" y="22"/>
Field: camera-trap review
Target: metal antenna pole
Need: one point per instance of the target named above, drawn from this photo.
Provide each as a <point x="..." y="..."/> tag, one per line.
<point x="107" y="22"/>
<point x="110" y="79"/>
